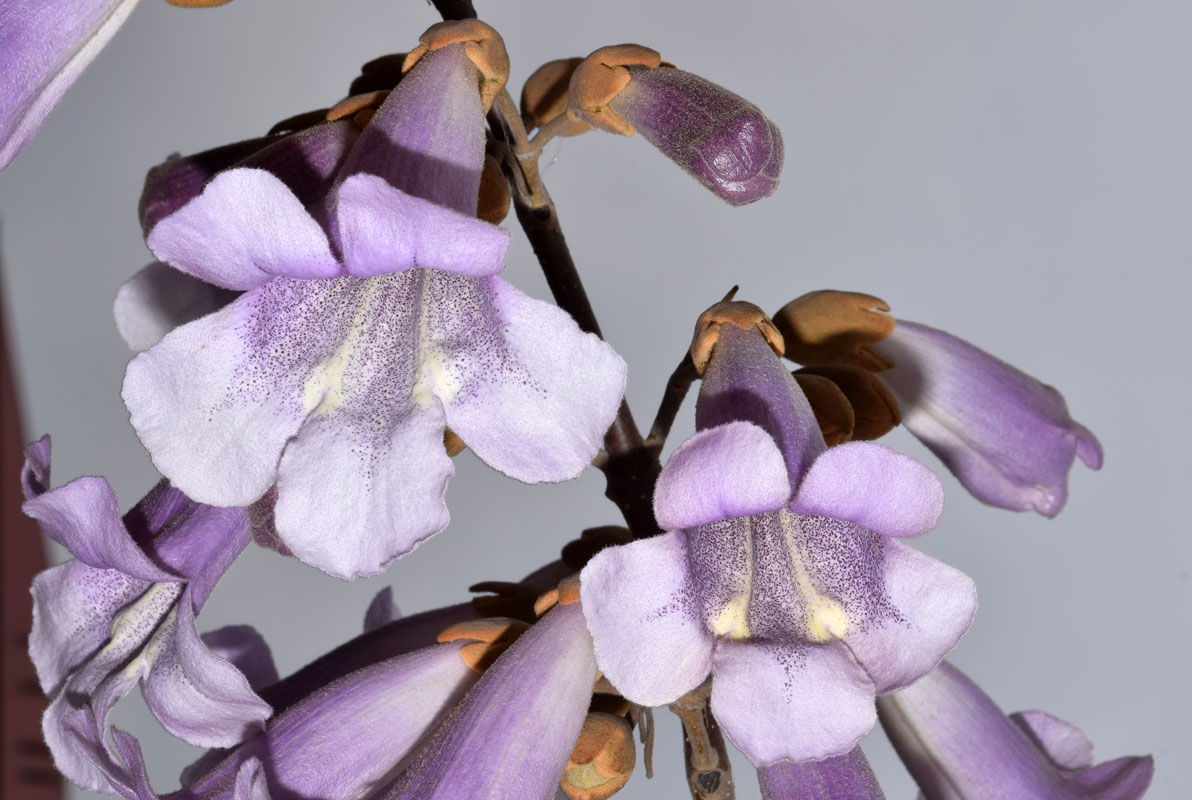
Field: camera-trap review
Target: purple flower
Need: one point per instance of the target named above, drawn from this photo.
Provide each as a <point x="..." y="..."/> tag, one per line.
<point x="846" y="777"/>
<point x="44" y="46"/>
<point x="512" y="734"/>
<point x="124" y="611"/>
<point x="958" y="745"/>
<point x="783" y="574"/>
<point x="1006" y="436"/>
<point x="715" y="136"/>
<point x="347" y="739"/>
<point x="371" y="320"/>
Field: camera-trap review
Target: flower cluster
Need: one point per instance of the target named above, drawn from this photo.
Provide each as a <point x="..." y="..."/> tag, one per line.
<point x="326" y="326"/>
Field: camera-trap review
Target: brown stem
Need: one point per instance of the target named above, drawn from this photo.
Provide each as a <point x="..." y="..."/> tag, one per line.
<point x="455" y="9"/>
<point x="677" y="387"/>
<point x="709" y="772"/>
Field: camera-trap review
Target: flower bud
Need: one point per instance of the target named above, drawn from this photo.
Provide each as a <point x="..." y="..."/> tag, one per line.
<point x="875" y="411"/>
<point x="544" y="95"/>
<point x="602" y="760"/>
<point x="832" y="409"/>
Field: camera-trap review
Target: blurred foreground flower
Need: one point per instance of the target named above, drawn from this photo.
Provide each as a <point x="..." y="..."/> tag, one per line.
<point x="958" y="745"/>
<point x="372" y="321"/>
<point x="783" y="574"/>
<point x="1008" y="437"/>
<point x="124" y="611"/>
<point x="44" y="47"/>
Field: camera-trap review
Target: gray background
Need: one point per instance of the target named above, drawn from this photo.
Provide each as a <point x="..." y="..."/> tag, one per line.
<point x="1014" y="172"/>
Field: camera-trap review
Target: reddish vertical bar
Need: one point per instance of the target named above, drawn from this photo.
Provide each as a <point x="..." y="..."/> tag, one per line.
<point x="26" y="770"/>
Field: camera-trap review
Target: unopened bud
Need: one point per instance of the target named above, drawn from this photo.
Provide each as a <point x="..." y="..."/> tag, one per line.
<point x="483" y="45"/>
<point x="875" y="411"/>
<point x="832" y="410"/>
<point x="831" y="328"/>
<point x="603" y="758"/>
<point x="566" y="593"/>
<point x="735" y="312"/>
<point x="601" y="77"/>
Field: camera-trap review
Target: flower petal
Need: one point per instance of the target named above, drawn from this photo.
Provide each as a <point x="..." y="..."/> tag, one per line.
<point x="383" y="229"/>
<point x="532" y="395"/>
<point x="35" y="472"/>
<point x="246" y="650"/>
<point x="933" y="604"/>
<point x="393" y="485"/>
<point x="244" y="228"/>
<point x="796" y="702"/>
<point x="957" y="743"/>
<point x="873" y="486"/>
<point x="643" y="614"/>
<point x="355" y="733"/>
<point x="1066" y="745"/>
<point x="44" y="48"/>
<point x="159" y="299"/>
<point x="1006" y="436"/>
<point x="198" y="696"/>
<point x="846" y="777"/>
<point x="84" y="517"/>
<point x="511" y="735"/>
<point x="731" y="470"/>
<point x="746" y="381"/>
<point x="427" y="138"/>
<point x="209" y="400"/>
<point x="381" y="611"/>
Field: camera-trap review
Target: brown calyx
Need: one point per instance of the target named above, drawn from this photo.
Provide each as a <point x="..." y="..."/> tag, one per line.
<point x="352" y="106"/>
<point x="828" y="328"/>
<point x="832" y="410"/>
<point x="483" y="45"/>
<point x="544" y="95"/>
<point x="491" y="636"/>
<point x="566" y="593"/>
<point x="452" y="443"/>
<point x="734" y="312"/>
<point x="578" y="552"/>
<point x="599" y="78"/>
<point x="602" y="760"/>
<point x="875" y="411"/>
<point x="494" y="200"/>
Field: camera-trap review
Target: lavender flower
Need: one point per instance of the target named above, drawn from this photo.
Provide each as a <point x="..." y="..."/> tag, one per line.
<point x="371" y="320"/>
<point x="958" y="745"/>
<point x="846" y="777"/>
<point x="1006" y="436"/>
<point x="124" y="611"/>
<point x="715" y="136"/>
<point x="512" y="735"/>
<point x="783" y="574"/>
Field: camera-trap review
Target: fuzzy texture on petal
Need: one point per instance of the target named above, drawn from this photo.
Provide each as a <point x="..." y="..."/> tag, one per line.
<point x="958" y="744"/>
<point x="1006" y="436"/>
<point x="383" y="229"/>
<point x="44" y="46"/>
<point x="746" y="382"/>
<point x="717" y="137"/>
<point x="354" y="734"/>
<point x="797" y="702"/>
<point x="731" y="470"/>
<point x="244" y="228"/>
<point x="510" y="737"/>
<point x="846" y="777"/>
<point x="934" y="605"/>
<point x="159" y="299"/>
<point x="643" y="613"/>
<point x="873" y="486"/>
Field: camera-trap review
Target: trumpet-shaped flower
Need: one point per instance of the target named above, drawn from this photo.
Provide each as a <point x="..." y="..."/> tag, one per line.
<point x="1006" y="436"/>
<point x="371" y="320"/>
<point x="124" y="611"/>
<point x="958" y="745"/>
<point x="846" y="777"/>
<point x="783" y="573"/>
<point x="511" y="735"/>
